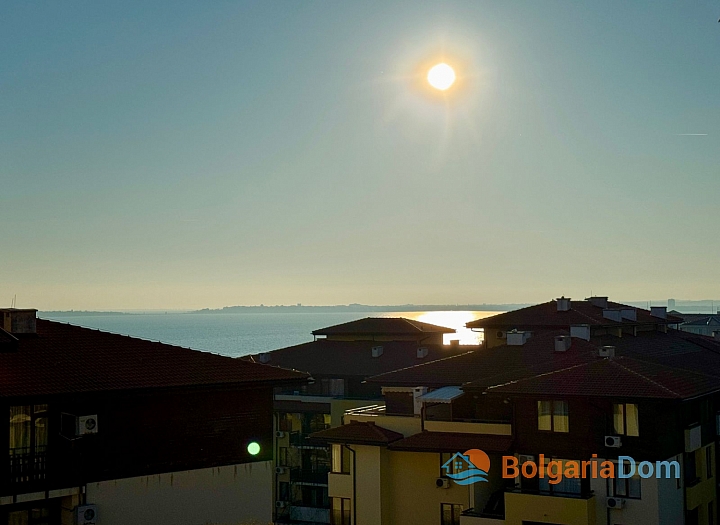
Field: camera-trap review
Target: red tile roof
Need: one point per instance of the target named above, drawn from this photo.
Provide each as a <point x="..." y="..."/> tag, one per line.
<point x="546" y="315"/>
<point x="354" y="358"/>
<point x="489" y="362"/>
<point x="384" y="326"/>
<point x="63" y="358"/>
<point x="361" y="433"/>
<point x="452" y="442"/>
<point x="618" y="377"/>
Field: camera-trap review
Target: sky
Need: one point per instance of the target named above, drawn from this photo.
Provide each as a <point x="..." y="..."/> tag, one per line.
<point x="203" y="154"/>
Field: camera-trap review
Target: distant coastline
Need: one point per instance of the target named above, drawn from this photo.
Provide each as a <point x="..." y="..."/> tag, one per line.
<point x="359" y="308"/>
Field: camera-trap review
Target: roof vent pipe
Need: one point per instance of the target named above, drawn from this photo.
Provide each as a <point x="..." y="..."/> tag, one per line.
<point x="377" y="351"/>
<point x="607" y="351"/>
<point x="516" y="338"/>
<point x="600" y="302"/>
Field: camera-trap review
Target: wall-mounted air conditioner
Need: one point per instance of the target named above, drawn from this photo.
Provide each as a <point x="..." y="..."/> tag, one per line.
<point x="86" y="515"/>
<point x="279" y="470"/>
<point x="615" y="503"/>
<point x="613" y="441"/>
<point x="86" y="425"/>
<point x="279" y="434"/>
<point x="281" y="504"/>
<point x="442" y="483"/>
<point x="501" y="334"/>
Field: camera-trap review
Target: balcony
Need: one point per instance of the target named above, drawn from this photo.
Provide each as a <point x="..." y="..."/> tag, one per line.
<point x="538" y="506"/>
<point x="406" y="425"/>
<point x="300" y="439"/>
<point x="314" y="477"/>
<point x="27" y="467"/>
<point x="470" y="426"/>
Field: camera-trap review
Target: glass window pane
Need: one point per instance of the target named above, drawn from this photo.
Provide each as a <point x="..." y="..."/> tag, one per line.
<point x="620" y="487"/>
<point x="560" y="416"/>
<point x="20" y="428"/>
<point x="634" y="487"/>
<point x="337" y="458"/>
<point x="544" y="415"/>
<point x="619" y="418"/>
<point x="446" y="514"/>
<point x="18" y="517"/>
<point x="631" y="419"/>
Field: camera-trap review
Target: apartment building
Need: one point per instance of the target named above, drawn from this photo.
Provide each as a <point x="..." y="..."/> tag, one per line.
<point x="109" y="430"/>
<point x="339" y="359"/>
<point x="561" y="381"/>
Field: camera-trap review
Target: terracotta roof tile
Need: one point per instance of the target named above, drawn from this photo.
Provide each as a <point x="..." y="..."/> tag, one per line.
<point x="384" y="326"/>
<point x="358" y="432"/>
<point x="64" y="358"/>
<point x="546" y="315"/>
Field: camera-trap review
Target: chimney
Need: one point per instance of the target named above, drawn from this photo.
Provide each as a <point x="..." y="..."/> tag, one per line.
<point x="417" y="402"/>
<point x="607" y="351"/>
<point x="628" y="313"/>
<point x="659" y="311"/>
<point x="562" y="343"/>
<point x="613" y="314"/>
<point x="377" y="351"/>
<point x="716" y="335"/>
<point x="18" y="321"/>
<point x="515" y="338"/>
<point x="264" y="358"/>
<point x="581" y="331"/>
<point x="563" y="304"/>
<point x="600" y="302"/>
<point x="422" y="352"/>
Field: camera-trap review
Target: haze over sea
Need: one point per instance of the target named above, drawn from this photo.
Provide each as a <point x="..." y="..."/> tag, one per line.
<point x="238" y="334"/>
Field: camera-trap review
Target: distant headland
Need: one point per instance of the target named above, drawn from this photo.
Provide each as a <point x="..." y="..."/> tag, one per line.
<point x="359" y="308"/>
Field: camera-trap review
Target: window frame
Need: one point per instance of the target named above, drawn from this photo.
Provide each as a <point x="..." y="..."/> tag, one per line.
<point x="708" y="462"/>
<point x="345" y="506"/>
<point x="553" y="413"/>
<point x="624" y="431"/>
<point x="454" y="519"/>
<point x="612" y="485"/>
<point x="340" y="456"/>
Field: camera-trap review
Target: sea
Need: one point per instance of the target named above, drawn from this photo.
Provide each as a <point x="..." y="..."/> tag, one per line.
<point x="239" y="334"/>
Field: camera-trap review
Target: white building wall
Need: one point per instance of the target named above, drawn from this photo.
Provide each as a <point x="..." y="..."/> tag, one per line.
<point x="671" y="499"/>
<point x="228" y="495"/>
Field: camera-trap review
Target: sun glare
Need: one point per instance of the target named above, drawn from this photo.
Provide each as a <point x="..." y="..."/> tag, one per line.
<point x="441" y="76"/>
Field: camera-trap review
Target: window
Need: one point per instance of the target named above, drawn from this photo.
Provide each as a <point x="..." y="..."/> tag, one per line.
<point x="553" y="416"/>
<point x="283" y="458"/>
<point x="444" y="458"/>
<point x="333" y="387"/>
<point x="625" y="419"/>
<point x="340" y="511"/>
<point x="340" y="459"/>
<point x="709" y="462"/>
<point x="690" y="468"/>
<point x="566" y="485"/>
<point x="711" y="514"/>
<point x="450" y="514"/>
<point x="629" y="488"/>
<point x="284" y="491"/>
<point x="28" y="442"/>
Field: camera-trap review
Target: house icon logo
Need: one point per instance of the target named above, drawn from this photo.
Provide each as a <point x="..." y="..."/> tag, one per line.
<point x="468" y="468"/>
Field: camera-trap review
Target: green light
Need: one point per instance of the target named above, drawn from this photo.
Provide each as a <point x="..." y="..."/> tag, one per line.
<point x="253" y="448"/>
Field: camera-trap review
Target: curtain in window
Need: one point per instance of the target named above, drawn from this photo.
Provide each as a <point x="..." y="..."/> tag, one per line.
<point x="544" y="415"/>
<point x="20" y="421"/>
<point x="619" y="418"/>
<point x="561" y="421"/>
<point x="631" y="420"/>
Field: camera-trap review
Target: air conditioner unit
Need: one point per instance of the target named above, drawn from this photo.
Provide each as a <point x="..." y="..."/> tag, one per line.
<point x="86" y="515"/>
<point x="281" y="504"/>
<point x="615" y="503"/>
<point x="442" y="483"/>
<point x="613" y="441"/>
<point x="501" y="334"/>
<point x="279" y="434"/>
<point x="377" y="351"/>
<point x="279" y="470"/>
<point x="86" y="425"/>
<point x="525" y="458"/>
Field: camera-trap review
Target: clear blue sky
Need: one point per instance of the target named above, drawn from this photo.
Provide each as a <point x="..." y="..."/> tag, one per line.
<point x="192" y="154"/>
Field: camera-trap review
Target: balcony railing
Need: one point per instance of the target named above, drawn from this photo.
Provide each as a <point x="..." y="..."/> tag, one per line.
<point x="27" y="466"/>
<point x="309" y="476"/>
<point x="585" y="494"/>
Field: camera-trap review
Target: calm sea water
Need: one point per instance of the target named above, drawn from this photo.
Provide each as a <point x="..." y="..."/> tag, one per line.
<point x="249" y="333"/>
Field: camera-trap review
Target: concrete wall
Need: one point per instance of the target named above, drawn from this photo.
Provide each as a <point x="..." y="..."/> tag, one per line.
<point x="224" y="495"/>
<point x="548" y="509"/>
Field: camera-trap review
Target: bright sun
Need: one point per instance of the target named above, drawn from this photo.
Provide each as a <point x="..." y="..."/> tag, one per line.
<point x="441" y="76"/>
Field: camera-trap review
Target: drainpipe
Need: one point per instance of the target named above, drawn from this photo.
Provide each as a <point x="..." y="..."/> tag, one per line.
<point x="354" y="502"/>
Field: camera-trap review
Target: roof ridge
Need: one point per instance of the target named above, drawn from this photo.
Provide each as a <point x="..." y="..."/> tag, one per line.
<point x="540" y="375"/>
<point x="638" y="374"/>
<point x="417" y="365"/>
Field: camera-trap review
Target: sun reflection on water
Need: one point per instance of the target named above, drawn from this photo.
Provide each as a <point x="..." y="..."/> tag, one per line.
<point x="451" y="319"/>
